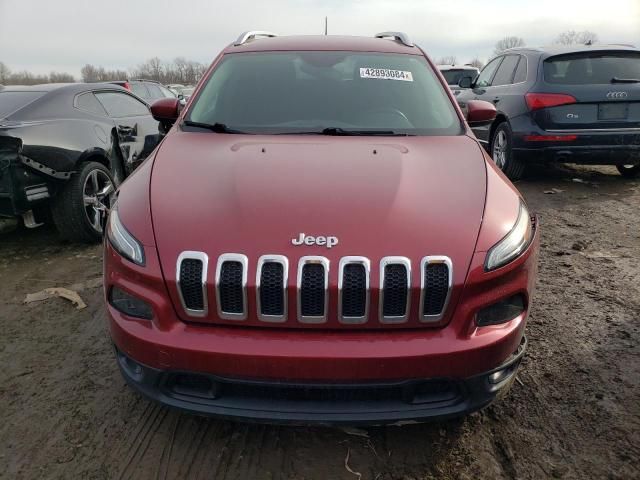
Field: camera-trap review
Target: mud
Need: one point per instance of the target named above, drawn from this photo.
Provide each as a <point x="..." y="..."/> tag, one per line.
<point x="574" y="411"/>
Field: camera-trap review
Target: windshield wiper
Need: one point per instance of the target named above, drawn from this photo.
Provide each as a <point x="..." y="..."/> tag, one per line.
<point x="337" y="131"/>
<point x="214" y="127"/>
<point x="625" y="80"/>
<point x="346" y="132"/>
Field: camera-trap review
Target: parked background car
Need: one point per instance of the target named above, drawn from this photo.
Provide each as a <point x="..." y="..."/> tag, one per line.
<point x="148" y="90"/>
<point x="63" y="150"/>
<point x="453" y="73"/>
<point x="578" y="104"/>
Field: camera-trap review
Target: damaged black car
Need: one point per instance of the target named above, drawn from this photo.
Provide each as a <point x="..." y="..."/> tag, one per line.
<point x="65" y="148"/>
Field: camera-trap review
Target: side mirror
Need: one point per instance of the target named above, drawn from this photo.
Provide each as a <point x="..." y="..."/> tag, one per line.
<point x="166" y="110"/>
<point x="480" y="113"/>
<point x="465" y="82"/>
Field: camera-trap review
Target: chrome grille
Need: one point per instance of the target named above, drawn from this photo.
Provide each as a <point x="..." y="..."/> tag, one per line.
<point x="395" y="281"/>
<point x="271" y="288"/>
<point x="353" y="288"/>
<point x="437" y="278"/>
<point x="312" y="289"/>
<point x="191" y="275"/>
<point x="313" y="294"/>
<point x="231" y="286"/>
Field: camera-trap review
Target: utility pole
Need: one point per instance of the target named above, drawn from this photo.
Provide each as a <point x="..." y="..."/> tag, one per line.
<point x="326" y="21"/>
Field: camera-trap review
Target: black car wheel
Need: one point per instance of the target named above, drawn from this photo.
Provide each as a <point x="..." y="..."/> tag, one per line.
<point x="629" y="171"/>
<point x="80" y="209"/>
<point x="502" y="153"/>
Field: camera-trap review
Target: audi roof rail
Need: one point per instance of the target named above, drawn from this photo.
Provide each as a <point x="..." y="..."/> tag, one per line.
<point x="252" y="35"/>
<point x="398" y="36"/>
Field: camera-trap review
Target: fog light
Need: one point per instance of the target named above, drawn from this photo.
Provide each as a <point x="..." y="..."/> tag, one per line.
<point x="501" y="312"/>
<point x="129" y="305"/>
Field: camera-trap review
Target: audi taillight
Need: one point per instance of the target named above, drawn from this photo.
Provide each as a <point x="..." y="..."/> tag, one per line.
<point x="536" y="101"/>
<point x="127" y="86"/>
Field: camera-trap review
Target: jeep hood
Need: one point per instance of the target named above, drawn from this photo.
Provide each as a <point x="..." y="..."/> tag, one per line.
<point x="384" y="196"/>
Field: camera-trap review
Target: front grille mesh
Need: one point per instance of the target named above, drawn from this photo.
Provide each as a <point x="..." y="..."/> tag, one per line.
<point x="395" y="290"/>
<point x="354" y="290"/>
<point x="436" y="288"/>
<point x="230" y="285"/>
<point x="312" y="290"/>
<point x="191" y="284"/>
<point x="271" y="289"/>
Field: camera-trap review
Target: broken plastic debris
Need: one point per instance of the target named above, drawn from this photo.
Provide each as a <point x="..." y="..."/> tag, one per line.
<point x="65" y="293"/>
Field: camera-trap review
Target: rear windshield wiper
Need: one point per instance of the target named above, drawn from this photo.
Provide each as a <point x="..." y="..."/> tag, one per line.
<point x="625" y="80"/>
<point x="214" y="127"/>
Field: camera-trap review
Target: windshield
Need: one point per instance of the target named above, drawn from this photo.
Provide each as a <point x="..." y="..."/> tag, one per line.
<point x="308" y="92"/>
<point x="11" y="102"/>
<point x="453" y="76"/>
<point x="592" y="68"/>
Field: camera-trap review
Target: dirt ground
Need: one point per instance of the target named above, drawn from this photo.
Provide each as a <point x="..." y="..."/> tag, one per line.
<point x="574" y="412"/>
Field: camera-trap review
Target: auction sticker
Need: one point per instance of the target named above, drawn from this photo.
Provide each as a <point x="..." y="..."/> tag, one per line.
<point x="386" y="74"/>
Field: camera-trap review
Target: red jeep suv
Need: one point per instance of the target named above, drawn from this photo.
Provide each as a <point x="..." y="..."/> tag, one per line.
<point x="320" y="239"/>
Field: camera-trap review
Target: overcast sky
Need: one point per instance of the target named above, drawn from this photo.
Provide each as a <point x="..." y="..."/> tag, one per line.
<point x="63" y="35"/>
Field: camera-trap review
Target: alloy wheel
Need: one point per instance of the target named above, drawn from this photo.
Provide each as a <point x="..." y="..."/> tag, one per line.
<point x="98" y="191"/>
<point x="499" y="153"/>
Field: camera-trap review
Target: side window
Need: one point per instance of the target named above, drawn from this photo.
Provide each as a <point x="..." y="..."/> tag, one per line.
<point x="121" y="105"/>
<point x="140" y="90"/>
<point x="89" y="103"/>
<point x="521" y="70"/>
<point x="154" y="91"/>
<point x="504" y="75"/>
<point x="166" y="92"/>
<point x="484" y="80"/>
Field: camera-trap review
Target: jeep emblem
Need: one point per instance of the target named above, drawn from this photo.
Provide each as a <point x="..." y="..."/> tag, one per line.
<point x="303" y="239"/>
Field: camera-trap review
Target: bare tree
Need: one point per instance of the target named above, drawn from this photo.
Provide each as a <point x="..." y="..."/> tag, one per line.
<point x="476" y="62"/>
<point x="5" y="73"/>
<point x="507" y="43"/>
<point x="61" y="77"/>
<point x="89" y="73"/>
<point x="571" y="37"/>
<point x="448" y="60"/>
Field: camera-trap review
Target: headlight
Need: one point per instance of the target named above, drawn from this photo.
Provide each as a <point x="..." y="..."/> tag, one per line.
<point x="122" y="241"/>
<point x="513" y="244"/>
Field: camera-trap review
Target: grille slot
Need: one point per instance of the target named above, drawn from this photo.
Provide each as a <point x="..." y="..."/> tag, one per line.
<point x="271" y="288"/>
<point x="436" y="272"/>
<point x="191" y="276"/>
<point x="353" y="287"/>
<point x="231" y="286"/>
<point x="395" y="273"/>
<point x="313" y="295"/>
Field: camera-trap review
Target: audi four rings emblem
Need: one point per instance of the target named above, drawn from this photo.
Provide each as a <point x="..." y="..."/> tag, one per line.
<point x="617" y="95"/>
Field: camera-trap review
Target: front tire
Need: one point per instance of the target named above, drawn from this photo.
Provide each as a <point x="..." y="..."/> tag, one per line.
<point x="502" y="152"/>
<point x="629" y="171"/>
<point x="80" y="208"/>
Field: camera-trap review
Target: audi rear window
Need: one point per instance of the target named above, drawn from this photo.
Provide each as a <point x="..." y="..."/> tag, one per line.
<point x="592" y="68"/>
<point x="11" y="102"/>
<point x="307" y="92"/>
<point x="453" y="76"/>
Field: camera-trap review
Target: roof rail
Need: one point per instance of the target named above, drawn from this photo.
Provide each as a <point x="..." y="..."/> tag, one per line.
<point x="399" y="36"/>
<point x="251" y="35"/>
